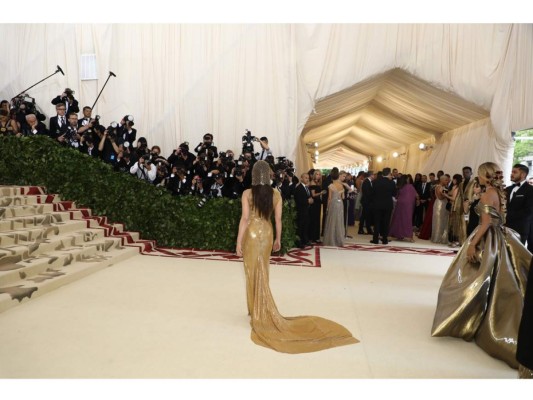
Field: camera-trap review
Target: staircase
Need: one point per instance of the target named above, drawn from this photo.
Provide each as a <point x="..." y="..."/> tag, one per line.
<point x="46" y="243"/>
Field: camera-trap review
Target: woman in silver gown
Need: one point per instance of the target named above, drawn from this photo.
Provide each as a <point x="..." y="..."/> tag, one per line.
<point x="439" y="226"/>
<point x="482" y="294"/>
<point x="334" y="230"/>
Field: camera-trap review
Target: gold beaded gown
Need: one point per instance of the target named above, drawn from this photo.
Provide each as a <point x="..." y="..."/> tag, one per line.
<point x="483" y="301"/>
<point x="270" y="329"/>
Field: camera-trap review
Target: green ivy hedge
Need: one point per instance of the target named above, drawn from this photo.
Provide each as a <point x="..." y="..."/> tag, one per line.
<point x="173" y="221"/>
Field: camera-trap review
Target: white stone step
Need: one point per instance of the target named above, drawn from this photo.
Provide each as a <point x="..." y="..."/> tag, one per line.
<point x="20" y="211"/>
<point x="40" y="233"/>
<point x="42" y="249"/>
<point x="53" y="278"/>
<point x="19" y="190"/>
<point x="17" y="252"/>
<point x="12" y="200"/>
<point x="15" y="223"/>
<point x="37" y="264"/>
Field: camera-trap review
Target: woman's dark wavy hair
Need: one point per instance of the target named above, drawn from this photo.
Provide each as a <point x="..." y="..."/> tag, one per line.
<point x="262" y="200"/>
<point x="458" y="179"/>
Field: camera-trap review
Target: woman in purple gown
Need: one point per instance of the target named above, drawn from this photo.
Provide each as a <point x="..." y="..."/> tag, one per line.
<point x="402" y="218"/>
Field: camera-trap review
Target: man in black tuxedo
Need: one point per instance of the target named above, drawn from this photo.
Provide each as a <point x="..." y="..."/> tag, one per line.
<point x="424" y="193"/>
<point x="303" y="199"/>
<point x="520" y="204"/>
<point x="59" y="123"/>
<point x="383" y="189"/>
<point x="366" y="213"/>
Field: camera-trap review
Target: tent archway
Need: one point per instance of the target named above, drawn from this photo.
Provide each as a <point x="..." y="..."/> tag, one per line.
<point x="392" y="112"/>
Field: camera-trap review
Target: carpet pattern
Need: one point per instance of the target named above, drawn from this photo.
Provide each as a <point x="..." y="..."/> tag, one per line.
<point x="308" y="257"/>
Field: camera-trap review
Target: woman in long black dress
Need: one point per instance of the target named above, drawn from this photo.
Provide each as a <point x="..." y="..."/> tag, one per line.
<point x="315" y="187"/>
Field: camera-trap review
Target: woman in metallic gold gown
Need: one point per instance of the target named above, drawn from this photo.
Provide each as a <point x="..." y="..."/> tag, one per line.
<point x="482" y="294"/>
<point x="254" y="243"/>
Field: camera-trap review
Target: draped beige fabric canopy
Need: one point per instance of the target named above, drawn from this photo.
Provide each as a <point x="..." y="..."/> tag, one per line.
<point x="383" y="114"/>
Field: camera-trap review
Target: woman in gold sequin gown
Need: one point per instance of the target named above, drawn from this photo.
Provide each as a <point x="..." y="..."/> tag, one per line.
<point x="482" y="294"/>
<point x="255" y="242"/>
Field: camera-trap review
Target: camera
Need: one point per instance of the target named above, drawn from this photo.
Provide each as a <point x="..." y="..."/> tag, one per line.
<point x="247" y="142"/>
<point x="147" y="158"/>
<point x="202" y="201"/>
<point x="23" y="105"/>
<point x="285" y="165"/>
<point x="112" y="131"/>
<point x="129" y="120"/>
<point x="238" y="171"/>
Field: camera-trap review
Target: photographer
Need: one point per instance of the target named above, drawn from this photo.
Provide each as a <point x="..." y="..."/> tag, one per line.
<point x="72" y="135"/>
<point x="201" y="166"/>
<point x="90" y="122"/>
<point x="126" y="133"/>
<point x="236" y="182"/>
<point x="218" y="189"/>
<point x="207" y="147"/>
<point x="141" y="149"/>
<point x="248" y="142"/>
<point x="177" y="182"/>
<point x="144" y="169"/>
<point x="67" y="98"/>
<point x="107" y="147"/>
<point x="87" y="146"/>
<point x="156" y="158"/>
<point x="182" y="157"/>
<point x="162" y="175"/>
<point x="265" y="149"/>
<point x="282" y="183"/>
<point x="197" y="186"/>
<point x="124" y="161"/>
<point x="23" y="105"/>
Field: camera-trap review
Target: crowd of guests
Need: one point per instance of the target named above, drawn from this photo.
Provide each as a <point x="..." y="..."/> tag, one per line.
<point x="388" y="204"/>
<point x="440" y="208"/>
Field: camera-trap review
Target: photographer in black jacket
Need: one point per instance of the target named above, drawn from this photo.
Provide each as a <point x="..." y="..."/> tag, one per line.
<point x="67" y="98"/>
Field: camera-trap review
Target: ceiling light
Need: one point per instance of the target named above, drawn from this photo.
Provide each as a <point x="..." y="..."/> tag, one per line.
<point x="395" y="154"/>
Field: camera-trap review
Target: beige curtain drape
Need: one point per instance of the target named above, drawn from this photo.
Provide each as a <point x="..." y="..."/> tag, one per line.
<point x="183" y="80"/>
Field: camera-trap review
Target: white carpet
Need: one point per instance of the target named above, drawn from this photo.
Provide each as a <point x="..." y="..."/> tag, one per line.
<point x="155" y="317"/>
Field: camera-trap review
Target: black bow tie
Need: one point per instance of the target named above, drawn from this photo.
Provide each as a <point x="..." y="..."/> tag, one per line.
<point x="516" y="185"/>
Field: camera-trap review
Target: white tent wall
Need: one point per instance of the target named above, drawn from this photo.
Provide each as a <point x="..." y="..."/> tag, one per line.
<point x="183" y="80"/>
<point x="486" y="64"/>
